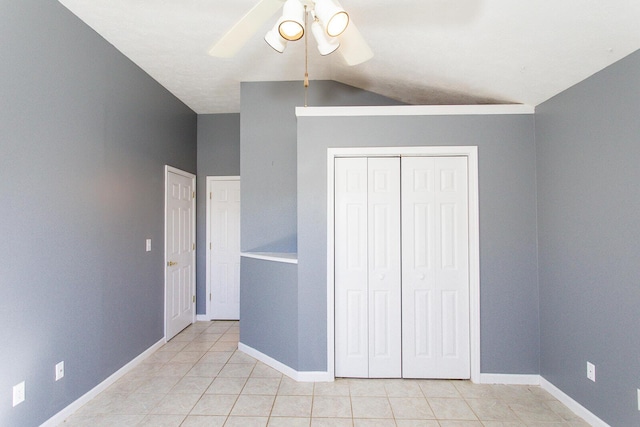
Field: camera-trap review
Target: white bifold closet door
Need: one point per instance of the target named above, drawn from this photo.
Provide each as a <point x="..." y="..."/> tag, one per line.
<point x="367" y="266"/>
<point x="401" y="267"/>
<point x="435" y="268"/>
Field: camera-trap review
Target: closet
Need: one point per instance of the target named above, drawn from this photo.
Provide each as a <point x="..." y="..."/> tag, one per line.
<point x="401" y="267"/>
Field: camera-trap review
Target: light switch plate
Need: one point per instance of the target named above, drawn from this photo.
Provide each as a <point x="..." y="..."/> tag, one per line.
<point x="59" y="370"/>
<point x="18" y="393"/>
<point x="591" y="371"/>
<point x="148" y="245"/>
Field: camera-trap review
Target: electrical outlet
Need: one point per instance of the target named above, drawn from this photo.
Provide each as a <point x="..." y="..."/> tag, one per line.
<point x="639" y="399"/>
<point x="59" y="370"/>
<point x="18" y="393"/>
<point x="148" y="245"/>
<point x="591" y="371"/>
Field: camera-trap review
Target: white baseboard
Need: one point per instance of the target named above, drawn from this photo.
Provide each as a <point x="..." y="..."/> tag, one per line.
<point x="303" y="376"/>
<point x="567" y="401"/>
<point x="538" y="380"/>
<point x="82" y="400"/>
<point x="201" y="318"/>
<point x="514" y="379"/>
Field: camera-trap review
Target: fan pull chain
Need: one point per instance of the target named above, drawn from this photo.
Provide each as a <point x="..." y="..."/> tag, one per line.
<point x="306" y="59"/>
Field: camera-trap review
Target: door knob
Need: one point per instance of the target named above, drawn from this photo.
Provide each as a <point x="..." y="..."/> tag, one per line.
<point x="381" y="277"/>
<point x="421" y="276"/>
<point x="171" y="263"/>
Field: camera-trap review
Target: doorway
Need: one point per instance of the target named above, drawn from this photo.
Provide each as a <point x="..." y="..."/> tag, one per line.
<point x="180" y="250"/>
<point x="469" y="156"/>
<point x="223" y="248"/>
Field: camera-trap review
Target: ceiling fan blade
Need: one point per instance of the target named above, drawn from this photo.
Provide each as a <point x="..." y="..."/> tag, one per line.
<point x="353" y="47"/>
<point x="242" y="31"/>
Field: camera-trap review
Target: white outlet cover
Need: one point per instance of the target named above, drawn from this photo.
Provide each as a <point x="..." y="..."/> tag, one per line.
<point x="639" y="399"/>
<point x="18" y="393"/>
<point x="148" y="245"/>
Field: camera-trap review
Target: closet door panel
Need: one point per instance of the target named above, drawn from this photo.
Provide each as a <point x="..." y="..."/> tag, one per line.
<point x="435" y="272"/>
<point x="351" y="268"/>
<point x="385" y="339"/>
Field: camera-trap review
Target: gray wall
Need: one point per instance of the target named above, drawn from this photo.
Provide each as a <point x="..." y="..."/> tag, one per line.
<point x="267" y="324"/>
<point x="85" y="135"/>
<point x="268" y="156"/>
<point x="218" y="155"/>
<point x="507" y="192"/>
<point x="269" y="203"/>
<point x="588" y="157"/>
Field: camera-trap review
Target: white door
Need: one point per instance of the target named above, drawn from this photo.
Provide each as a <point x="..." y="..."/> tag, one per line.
<point x="367" y="266"/>
<point x="435" y="268"/>
<point x="223" y="230"/>
<point x="179" y="251"/>
<point x="385" y="313"/>
<point x="351" y="268"/>
<point x="412" y="323"/>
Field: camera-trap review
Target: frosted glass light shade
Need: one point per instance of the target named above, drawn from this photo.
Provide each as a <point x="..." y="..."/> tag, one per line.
<point x="332" y="16"/>
<point x="291" y="26"/>
<point x="275" y="40"/>
<point x="326" y="44"/>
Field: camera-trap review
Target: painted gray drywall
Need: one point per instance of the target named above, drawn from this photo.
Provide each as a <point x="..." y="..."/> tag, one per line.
<point x="218" y="155"/>
<point x="588" y="151"/>
<point x="268" y="155"/>
<point x="85" y="136"/>
<point x="507" y="192"/>
<point x="266" y="323"/>
<point x="269" y="201"/>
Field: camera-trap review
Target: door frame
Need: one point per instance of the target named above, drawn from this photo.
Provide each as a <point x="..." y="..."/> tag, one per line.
<point x="471" y="152"/>
<point x="210" y="180"/>
<point x="191" y="176"/>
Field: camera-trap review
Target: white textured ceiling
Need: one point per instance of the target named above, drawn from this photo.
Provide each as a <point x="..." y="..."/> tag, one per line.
<point x="426" y="51"/>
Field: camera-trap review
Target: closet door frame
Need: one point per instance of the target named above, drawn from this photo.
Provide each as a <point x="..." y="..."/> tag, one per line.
<point x="471" y="152"/>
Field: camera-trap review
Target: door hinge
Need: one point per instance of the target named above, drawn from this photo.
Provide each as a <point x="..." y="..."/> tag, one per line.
<point x="194" y="194"/>
<point x="210" y="247"/>
<point x="209" y="297"/>
<point x="210" y="195"/>
<point x="194" y="246"/>
<point x="194" y="299"/>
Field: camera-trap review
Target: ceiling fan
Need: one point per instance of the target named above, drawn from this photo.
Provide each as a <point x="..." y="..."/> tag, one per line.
<point x="331" y="26"/>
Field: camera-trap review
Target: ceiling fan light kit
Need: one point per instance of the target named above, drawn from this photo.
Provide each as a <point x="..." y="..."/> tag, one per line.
<point x="331" y="27"/>
<point x="329" y="21"/>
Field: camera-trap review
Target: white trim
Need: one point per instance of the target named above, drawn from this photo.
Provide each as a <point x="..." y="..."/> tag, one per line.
<point x="471" y="152"/>
<point x="474" y="262"/>
<point x="574" y="406"/>
<point x="415" y="110"/>
<point x="314" y="376"/>
<point x="202" y="318"/>
<point x="512" y="379"/>
<point x="58" y="418"/>
<point x="304" y="376"/>
<point x="289" y="258"/>
<point x="432" y="151"/>
<point x="177" y="171"/>
<point x="223" y="178"/>
<point x="331" y="268"/>
<point x="210" y="179"/>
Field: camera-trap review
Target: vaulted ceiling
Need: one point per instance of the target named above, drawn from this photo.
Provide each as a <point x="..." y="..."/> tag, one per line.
<point x="426" y="51"/>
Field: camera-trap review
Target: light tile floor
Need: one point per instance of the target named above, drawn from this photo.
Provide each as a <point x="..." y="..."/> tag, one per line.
<point x="199" y="378"/>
